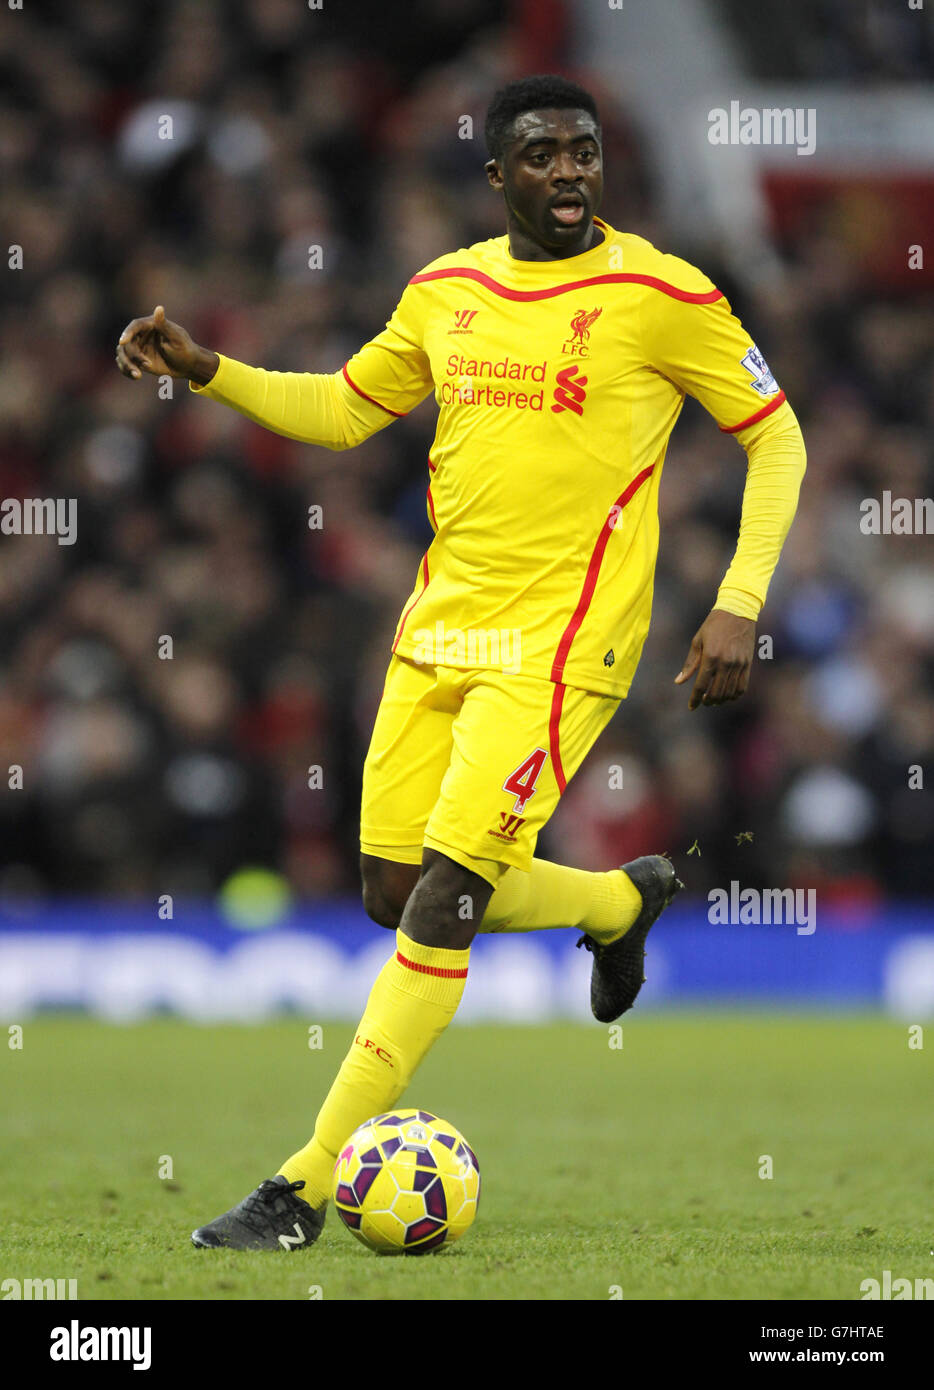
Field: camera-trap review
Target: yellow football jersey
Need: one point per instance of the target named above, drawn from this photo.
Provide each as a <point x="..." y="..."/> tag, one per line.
<point x="558" y="384"/>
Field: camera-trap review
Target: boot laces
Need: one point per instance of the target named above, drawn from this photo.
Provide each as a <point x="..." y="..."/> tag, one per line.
<point x="269" y="1189"/>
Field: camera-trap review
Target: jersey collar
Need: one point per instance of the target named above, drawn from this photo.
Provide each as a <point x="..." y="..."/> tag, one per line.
<point x="560" y="268"/>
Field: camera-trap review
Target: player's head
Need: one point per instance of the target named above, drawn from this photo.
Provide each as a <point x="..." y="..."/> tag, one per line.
<point x="543" y="138"/>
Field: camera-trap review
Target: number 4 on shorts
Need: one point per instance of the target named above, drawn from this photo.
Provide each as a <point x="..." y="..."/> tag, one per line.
<point x="522" y="782"/>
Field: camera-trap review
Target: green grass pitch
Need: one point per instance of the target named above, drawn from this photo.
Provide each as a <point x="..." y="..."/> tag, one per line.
<point x="632" y="1169"/>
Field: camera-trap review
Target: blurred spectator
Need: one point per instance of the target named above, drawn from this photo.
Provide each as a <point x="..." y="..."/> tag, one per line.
<point x="168" y="682"/>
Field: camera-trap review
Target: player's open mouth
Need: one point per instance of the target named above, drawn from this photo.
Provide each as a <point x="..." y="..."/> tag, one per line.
<point x="569" y="213"/>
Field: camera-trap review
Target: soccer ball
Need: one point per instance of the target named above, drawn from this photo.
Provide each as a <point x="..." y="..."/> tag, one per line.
<point x="406" y="1182"/>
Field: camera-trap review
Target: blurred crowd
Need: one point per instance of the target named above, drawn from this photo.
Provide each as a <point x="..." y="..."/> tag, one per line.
<point x="857" y="41"/>
<point x="168" y="681"/>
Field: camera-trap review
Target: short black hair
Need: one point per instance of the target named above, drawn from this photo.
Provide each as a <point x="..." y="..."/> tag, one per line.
<point x="544" y="92"/>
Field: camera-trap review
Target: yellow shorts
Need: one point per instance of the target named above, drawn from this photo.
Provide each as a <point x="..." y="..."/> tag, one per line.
<point x="471" y="763"/>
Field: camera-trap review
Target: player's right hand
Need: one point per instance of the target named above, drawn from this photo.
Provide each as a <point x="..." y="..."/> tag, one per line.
<point x="156" y="345"/>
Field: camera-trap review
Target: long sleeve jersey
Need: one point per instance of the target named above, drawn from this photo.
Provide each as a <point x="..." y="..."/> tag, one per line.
<point x="558" y="384"/>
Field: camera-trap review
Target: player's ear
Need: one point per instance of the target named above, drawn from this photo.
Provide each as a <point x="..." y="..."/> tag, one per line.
<point x="494" y="173"/>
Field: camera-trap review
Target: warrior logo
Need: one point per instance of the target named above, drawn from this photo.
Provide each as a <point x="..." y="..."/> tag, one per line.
<point x="509" y="825"/>
<point x="462" y="321"/>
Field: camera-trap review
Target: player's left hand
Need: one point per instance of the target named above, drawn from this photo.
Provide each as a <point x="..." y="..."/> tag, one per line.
<point x="721" y="654"/>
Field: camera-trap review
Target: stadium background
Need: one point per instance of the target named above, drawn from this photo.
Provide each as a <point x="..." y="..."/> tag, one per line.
<point x="147" y="779"/>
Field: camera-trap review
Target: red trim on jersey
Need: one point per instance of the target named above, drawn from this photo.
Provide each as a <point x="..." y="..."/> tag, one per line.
<point x="431" y="505"/>
<point x="759" y="415"/>
<point x="351" y="382"/>
<point x="425" y="578"/>
<point x="554" y="733"/>
<point x="468" y="273"/>
<point x="593" y="571"/>
<point x="431" y="969"/>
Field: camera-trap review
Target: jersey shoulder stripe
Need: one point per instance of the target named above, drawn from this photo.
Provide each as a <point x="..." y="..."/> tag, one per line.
<point x="569" y="287"/>
<point x="630" y="260"/>
<point x="641" y="256"/>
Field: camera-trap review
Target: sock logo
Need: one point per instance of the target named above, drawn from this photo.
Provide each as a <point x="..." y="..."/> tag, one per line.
<point x="369" y="1045"/>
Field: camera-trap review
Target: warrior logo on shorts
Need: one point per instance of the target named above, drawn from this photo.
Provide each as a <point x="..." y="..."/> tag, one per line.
<point x="510" y="825"/>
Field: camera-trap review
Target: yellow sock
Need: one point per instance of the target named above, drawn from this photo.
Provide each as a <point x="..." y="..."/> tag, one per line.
<point x="412" y="1001"/>
<point x="553" y="895"/>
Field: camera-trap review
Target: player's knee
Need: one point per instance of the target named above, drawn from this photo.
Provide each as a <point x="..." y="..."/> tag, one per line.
<point x="386" y="889"/>
<point x="448" y="904"/>
<point x="378" y="908"/>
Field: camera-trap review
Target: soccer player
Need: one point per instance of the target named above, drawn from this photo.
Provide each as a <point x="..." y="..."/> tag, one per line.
<point x="559" y="355"/>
